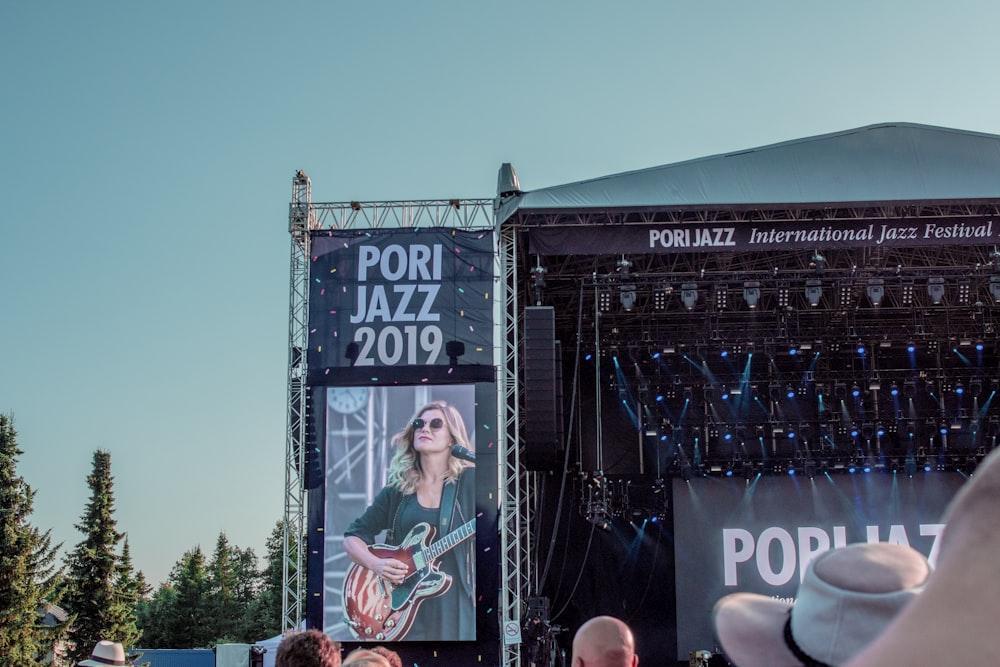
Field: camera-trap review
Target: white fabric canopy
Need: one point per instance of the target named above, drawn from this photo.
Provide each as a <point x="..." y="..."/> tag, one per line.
<point x="876" y="163"/>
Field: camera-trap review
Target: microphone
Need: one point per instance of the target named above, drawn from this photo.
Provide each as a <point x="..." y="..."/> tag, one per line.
<point x="460" y="452"/>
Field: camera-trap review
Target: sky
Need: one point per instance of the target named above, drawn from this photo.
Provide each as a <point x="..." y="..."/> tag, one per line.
<point x="147" y="151"/>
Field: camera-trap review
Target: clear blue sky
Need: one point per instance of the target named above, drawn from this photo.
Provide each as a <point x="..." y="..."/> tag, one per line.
<point x="147" y="150"/>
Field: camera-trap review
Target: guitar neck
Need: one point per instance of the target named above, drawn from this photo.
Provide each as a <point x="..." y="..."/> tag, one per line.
<point x="450" y="541"/>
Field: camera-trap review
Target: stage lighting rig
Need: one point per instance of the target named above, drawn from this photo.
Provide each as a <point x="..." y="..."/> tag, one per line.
<point x="875" y="291"/>
<point x="626" y="292"/>
<point x="689" y="295"/>
<point x="814" y="291"/>
<point x="935" y="290"/>
<point x="995" y="288"/>
<point x="751" y="293"/>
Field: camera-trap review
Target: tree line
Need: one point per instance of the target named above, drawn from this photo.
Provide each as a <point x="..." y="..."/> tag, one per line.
<point x="224" y="597"/>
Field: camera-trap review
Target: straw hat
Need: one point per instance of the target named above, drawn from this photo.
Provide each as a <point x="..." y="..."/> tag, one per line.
<point x="846" y="598"/>
<point x="104" y="654"/>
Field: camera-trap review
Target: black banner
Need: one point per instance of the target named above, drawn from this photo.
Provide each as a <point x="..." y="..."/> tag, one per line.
<point x="400" y="299"/>
<point x="758" y="236"/>
<point x="732" y="537"/>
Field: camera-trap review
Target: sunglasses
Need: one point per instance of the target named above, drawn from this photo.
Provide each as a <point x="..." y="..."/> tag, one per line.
<point x="435" y="423"/>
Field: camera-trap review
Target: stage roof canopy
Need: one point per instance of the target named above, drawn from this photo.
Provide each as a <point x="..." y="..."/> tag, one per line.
<point x="888" y="162"/>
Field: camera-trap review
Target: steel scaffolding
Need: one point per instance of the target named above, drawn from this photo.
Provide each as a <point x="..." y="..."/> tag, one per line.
<point x="305" y="217"/>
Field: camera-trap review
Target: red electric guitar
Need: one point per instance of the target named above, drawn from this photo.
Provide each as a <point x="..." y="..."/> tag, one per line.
<point x="375" y="608"/>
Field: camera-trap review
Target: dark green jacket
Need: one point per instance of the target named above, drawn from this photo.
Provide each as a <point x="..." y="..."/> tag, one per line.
<point x="384" y="512"/>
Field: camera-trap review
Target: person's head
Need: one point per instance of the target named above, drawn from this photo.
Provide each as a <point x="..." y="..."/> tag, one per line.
<point x="363" y="657"/>
<point x="846" y="598"/>
<point x="433" y="430"/>
<point x="604" y="641"/>
<point x="105" y="653"/>
<point x="311" y="648"/>
<point x="390" y="656"/>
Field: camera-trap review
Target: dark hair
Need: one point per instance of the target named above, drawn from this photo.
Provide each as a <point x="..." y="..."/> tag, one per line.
<point x="311" y="648"/>
<point x="388" y="654"/>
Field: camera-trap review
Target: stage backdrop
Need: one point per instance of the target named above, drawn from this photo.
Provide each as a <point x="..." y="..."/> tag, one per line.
<point x="758" y="537"/>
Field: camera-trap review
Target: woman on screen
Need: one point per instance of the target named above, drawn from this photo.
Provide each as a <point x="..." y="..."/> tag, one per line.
<point x="428" y="488"/>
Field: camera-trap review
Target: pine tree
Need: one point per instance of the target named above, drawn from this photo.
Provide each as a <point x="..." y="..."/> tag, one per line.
<point x="264" y="613"/>
<point x="188" y="618"/>
<point x="225" y="613"/>
<point x="153" y="615"/>
<point x="28" y="577"/>
<point x="93" y="566"/>
<point x="128" y="592"/>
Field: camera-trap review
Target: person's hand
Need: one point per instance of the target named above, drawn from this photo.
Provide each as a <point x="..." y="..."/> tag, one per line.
<point x="391" y="569"/>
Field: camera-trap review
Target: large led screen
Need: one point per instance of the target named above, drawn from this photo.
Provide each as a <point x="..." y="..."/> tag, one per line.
<point x="400" y="512"/>
<point x="758" y="537"/>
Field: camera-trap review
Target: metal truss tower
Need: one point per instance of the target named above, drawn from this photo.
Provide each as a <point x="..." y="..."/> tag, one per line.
<point x="515" y="513"/>
<point x="300" y="221"/>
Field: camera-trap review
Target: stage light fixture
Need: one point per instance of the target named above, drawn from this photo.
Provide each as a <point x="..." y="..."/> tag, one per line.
<point x="660" y="298"/>
<point x="724" y="354"/>
<point x="964" y="291"/>
<point x="814" y="291"/>
<point x="790" y="392"/>
<point x="751" y="293"/>
<point x="894" y="390"/>
<point x="880" y="432"/>
<point x="604" y="299"/>
<point x="861" y="349"/>
<point x="626" y="294"/>
<point x="689" y="295"/>
<point x="854" y="431"/>
<point x="875" y="291"/>
<point x="908" y="293"/>
<point x="846" y="296"/>
<point x="792" y="351"/>
<point x="783" y="296"/>
<point x="959" y="389"/>
<point x="911" y="347"/>
<point x="980" y="346"/>
<point x="935" y="290"/>
<point x="721" y="297"/>
<point x="855" y="391"/>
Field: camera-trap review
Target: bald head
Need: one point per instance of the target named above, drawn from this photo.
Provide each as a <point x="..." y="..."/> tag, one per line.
<point x="604" y="641"/>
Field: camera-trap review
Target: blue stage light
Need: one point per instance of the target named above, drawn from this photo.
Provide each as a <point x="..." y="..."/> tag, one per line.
<point x="729" y="473"/>
<point x="727" y="436"/>
<point x="861" y="349"/>
<point x="855" y="392"/>
<point x="927" y="468"/>
<point x="656" y="355"/>
<point x="724" y="354"/>
<point x="663" y="438"/>
<point x="979" y="347"/>
<point x="959" y="390"/>
<point x="880" y="432"/>
<point x="792" y="351"/>
<point x="659" y="398"/>
<point x="791" y="472"/>
<point x="854" y="432"/>
<point x="943" y="431"/>
<point x="911" y="348"/>
<point x="867" y="468"/>
<point x="725" y="396"/>
<point x="654" y="519"/>
<point x="791" y="435"/>
<point x="894" y="391"/>
<point x="588" y="357"/>
<point x="852" y="469"/>
<point x="790" y="394"/>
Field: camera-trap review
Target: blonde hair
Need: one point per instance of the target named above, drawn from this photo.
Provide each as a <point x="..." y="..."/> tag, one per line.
<point x="405" y="471"/>
<point x="364" y="658"/>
